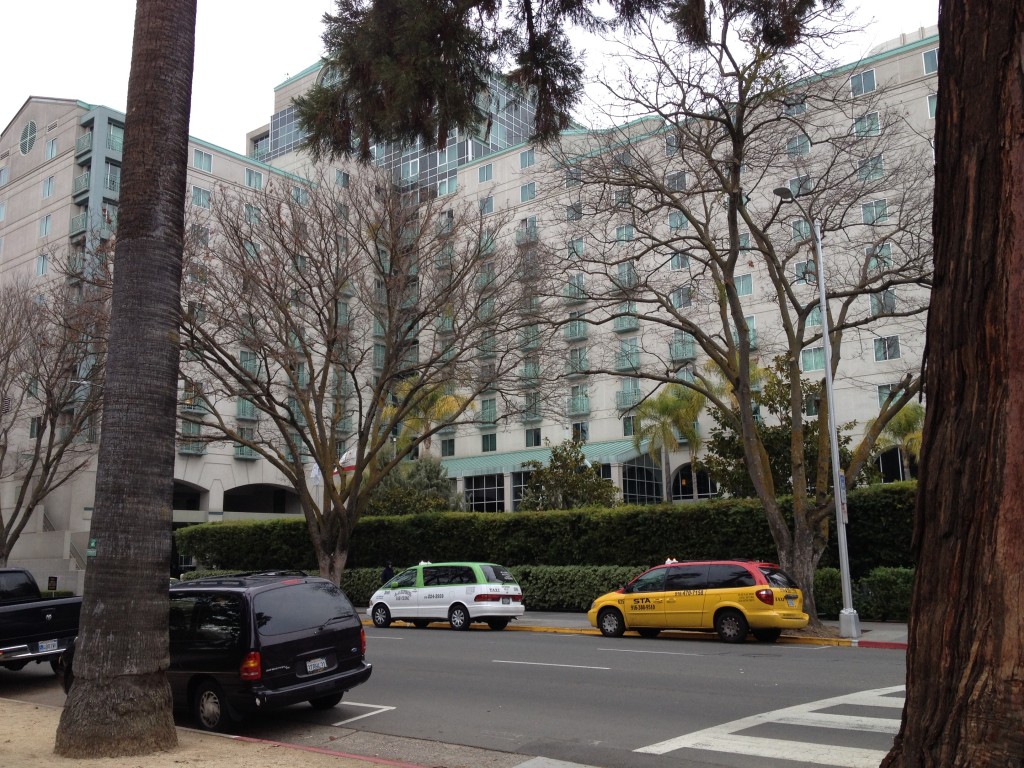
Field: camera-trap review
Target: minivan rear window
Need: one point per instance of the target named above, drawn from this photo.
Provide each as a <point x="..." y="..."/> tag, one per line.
<point x="779" y="578"/>
<point x="295" y="607"/>
<point x="497" y="574"/>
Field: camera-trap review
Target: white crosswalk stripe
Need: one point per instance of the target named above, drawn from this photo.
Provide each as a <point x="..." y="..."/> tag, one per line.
<point x="727" y="737"/>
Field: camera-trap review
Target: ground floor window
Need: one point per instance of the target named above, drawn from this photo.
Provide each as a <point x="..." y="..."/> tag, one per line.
<point x="485" y="493"/>
<point x="684" y="488"/>
<point x="519" y="482"/>
<point x="641" y="481"/>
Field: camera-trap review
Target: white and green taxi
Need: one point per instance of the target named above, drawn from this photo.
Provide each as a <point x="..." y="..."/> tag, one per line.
<point x="459" y="593"/>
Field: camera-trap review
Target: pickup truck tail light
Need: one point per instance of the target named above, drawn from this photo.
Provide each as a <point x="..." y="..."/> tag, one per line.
<point x="362" y="642"/>
<point x="766" y="596"/>
<point x="252" y="667"/>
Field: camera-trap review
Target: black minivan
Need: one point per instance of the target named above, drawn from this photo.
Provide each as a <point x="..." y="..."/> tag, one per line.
<point x="258" y="641"/>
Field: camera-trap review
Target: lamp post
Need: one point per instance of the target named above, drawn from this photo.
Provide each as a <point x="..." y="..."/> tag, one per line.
<point x="849" y="623"/>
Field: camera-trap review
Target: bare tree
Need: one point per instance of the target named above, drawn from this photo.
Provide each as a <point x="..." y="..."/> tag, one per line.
<point x="319" y="320"/>
<point x="676" y="222"/>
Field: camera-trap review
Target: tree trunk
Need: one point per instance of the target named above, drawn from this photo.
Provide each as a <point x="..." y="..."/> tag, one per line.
<point x="121" y="702"/>
<point x="332" y="564"/>
<point x="666" y="476"/>
<point x="965" y="697"/>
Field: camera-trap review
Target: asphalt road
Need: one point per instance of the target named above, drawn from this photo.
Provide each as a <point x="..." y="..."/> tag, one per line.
<point x="595" y="701"/>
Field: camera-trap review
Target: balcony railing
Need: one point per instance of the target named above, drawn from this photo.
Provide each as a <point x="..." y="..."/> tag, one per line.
<point x="79" y="224"/>
<point x="112" y="183"/>
<point x="80" y="184"/>
<point x="526" y="235"/>
<point x="575" y="331"/>
<point x="577" y="406"/>
<point x="115" y="143"/>
<point x="681" y="350"/>
<point x="577" y="367"/>
<point x="625" y="323"/>
<point x="83" y="143"/>
<point x="574" y="294"/>
<point x="245" y="452"/>
<point x="627" y="398"/>
<point x="627" y="361"/>
<point x="192" y="448"/>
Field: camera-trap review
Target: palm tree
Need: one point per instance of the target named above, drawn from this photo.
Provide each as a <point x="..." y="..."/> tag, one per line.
<point x="121" y="702"/>
<point x="663" y="421"/>
<point x="904" y="432"/>
<point x="428" y="408"/>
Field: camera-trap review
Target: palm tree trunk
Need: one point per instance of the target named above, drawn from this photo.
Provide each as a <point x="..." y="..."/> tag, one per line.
<point x="666" y="471"/>
<point x="121" y="702"/>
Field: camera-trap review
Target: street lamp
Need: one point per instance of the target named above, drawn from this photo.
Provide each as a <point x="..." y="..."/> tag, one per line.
<point x="849" y="623"/>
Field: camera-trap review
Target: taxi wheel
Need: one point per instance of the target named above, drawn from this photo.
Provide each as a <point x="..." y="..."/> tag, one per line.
<point x="458" y="617"/>
<point x="381" y="616"/>
<point x="610" y="622"/>
<point x="497" y="624"/>
<point x="767" y="635"/>
<point x="731" y="626"/>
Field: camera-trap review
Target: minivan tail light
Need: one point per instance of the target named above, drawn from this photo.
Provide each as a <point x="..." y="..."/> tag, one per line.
<point x="252" y="667"/>
<point x="766" y="596"/>
<point x="487" y="597"/>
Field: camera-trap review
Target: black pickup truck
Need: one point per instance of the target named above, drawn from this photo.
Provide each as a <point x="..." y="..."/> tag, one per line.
<point x="32" y="628"/>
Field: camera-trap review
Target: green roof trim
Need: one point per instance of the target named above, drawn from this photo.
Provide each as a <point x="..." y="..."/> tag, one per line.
<point x="607" y="452"/>
<point x="308" y="70"/>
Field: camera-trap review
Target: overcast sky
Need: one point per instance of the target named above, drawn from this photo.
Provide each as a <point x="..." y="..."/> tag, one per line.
<point x="82" y="51"/>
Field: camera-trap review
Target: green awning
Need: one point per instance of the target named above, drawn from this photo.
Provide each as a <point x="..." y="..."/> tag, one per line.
<point x="608" y="452"/>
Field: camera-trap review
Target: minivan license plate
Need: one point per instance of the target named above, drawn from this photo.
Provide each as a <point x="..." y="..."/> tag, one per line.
<point x="47" y="645"/>
<point x="506" y="601"/>
<point x="316" y="665"/>
<point x="791" y="600"/>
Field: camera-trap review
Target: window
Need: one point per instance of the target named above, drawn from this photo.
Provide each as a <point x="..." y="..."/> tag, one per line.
<point x="201" y="235"/>
<point x="4" y="175"/>
<point x="341" y="178"/>
<point x="622" y="198"/>
<point x="489" y="443"/>
<point x="624" y="233"/>
<point x="813" y="359"/>
<point x="580" y="431"/>
<point x="574" y="212"/>
<point x="3" y="210"/>
<point x="202" y="160"/>
<point x="933" y="100"/>
<point x="526" y="158"/>
<point x="527" y="192"/>
<point x="744" y="243"/>
<point x="931" y="61"/>
<point x="576" y="248"/>
<point x="811" y="405"/>
<point x="744" y="285"/>
<point x="887" y="348"/>
<point x="681" y="297"/>
<point x="671" y="145"/>
<point x="300" y="195"/>
<point x="573" y="177"/>
<point x="677" y="222"/>
<point x="489" y="410"/>
<point x="253" y="179"/>
<point x="800" y="185"/>
<point x="814" y="316"/>
<point x="45" y="225"/>
<point x="447" y="446"/>
<point x="871" y="169"/>
<point x="867" y="125"/>
<point x="879" y="257"/>
<point x="51" y="149"/>
<point x="48" y="185"/>
<point x="874" y="212"/>
<point x="862" y="82"/>
<point x="486" y="172"/>
<point x="883" y="303"/>
<point x="801" y="229"/>
<point x="798" y="145"/>
<point x="200" y="197"/>
<point x="806" y="271"/>
<point x="35" y="427"/>
<point x="680" y="261"/>
<point x="486" y="205"/>
<point x="794" y="104"/>
<point x="448" y="186"/>
<point x="533" y="437"/>
<point x="42" y="264"/>
<point x="627" y="426"/>
<point x="676" y="182"/>
<point x="885" y="391"/>
<point x="578" y="362"/>
<point x="252" y="214"/>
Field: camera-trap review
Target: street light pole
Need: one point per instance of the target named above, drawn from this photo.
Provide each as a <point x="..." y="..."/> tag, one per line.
<point x="849" y="623"/>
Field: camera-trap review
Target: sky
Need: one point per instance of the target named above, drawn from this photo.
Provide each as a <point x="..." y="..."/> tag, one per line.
<point x="77" y="50"/>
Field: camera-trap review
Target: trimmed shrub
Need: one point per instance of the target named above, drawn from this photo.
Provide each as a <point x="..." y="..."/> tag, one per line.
<point x="884" y="594"/>
<point x="570" y="587"/>
<point x="828" y="592"/>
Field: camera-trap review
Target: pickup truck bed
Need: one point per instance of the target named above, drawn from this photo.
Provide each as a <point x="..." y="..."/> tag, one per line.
<point x="33" y="628"/>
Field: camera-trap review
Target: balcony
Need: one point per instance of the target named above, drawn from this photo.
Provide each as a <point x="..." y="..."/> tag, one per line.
<point x="576" y="331"/>
<point x="79" y="224"/>
<point x="531" y="416"/>
<point x="574" y="294"/>
<point x="578" y="406"/>
<point x="246" y="410"/>
<point x="115" y="143"/>
<point x="527" y="235"/>
<point x="192" y="448"/>
<point x="577" y="367"/>
<point x="627" y="398"/>
<point x="529" y="376"/>
<point x="627" y="361"/>
<point x="245" y="452"/>
<point x="112" y="184"/>
<point x="625" y="280"/>
<point x="80" y="186"/>
<point x="682" y="350"/>
<point x="83" y="145"/>
<point x="625" y="323"/>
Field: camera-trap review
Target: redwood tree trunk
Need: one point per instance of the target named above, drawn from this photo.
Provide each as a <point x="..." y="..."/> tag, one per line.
<point x="121" y="703"/>
<point x="965" y="690"/>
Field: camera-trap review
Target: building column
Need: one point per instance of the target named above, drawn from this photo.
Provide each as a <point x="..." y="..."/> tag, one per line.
<point x="508" y="491"/>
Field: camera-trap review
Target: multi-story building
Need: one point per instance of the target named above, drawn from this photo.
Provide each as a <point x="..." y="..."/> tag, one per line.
<point x="59" y="181"/>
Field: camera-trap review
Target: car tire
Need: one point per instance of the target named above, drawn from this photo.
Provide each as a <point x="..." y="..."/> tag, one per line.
<point x="420" y="623"/>
<point x="210" y="708"/>
<point x="381" y="616"/>
<point x="55" y="664"/>
<point x="326" y="702"/>
<point x="458" y="617"/>
<point x="497" y="624"/>
<point x="610" y="622"/>
<point x="731" y="626"/>
<point x="648" y="632"/>
<point x="766" y="635"/>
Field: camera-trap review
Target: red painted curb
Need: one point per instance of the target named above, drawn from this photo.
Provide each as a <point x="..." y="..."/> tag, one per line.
<point x="882" y="644"/>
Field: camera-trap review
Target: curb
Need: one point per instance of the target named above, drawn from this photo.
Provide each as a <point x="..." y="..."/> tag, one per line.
<point x="837" y="642"/>
<point x="321" y="751"/>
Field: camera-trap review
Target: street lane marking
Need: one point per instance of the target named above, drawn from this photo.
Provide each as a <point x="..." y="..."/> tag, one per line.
<point x="378" y="709"/>
<point x="542" y="664"/>
<point x="726" y="737"/>
<point x="662" y="653"/>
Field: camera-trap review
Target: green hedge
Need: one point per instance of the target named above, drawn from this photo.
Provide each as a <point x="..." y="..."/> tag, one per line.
<point x="879" y="533"/>
<point x="882" y="595"/>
